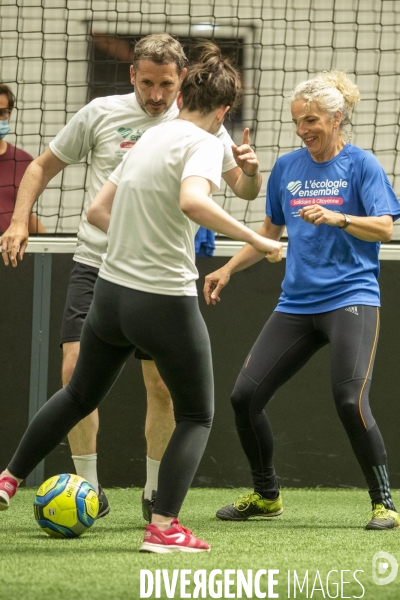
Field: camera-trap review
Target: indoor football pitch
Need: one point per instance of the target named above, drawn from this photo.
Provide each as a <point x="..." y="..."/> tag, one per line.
<point x="317" y="548"/>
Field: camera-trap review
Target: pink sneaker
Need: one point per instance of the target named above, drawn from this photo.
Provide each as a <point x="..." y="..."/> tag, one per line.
<point x="8" y="487"/>
<point x="174" y="539"/>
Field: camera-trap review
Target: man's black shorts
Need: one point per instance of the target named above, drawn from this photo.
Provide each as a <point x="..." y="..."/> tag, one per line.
<point x="79" y="298"/>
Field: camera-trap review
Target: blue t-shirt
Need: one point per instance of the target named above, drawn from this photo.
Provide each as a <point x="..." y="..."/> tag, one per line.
<point x="326" y="267"/>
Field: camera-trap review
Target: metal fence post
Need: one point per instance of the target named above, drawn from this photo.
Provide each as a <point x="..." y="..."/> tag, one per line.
<point x="40" y="347"/>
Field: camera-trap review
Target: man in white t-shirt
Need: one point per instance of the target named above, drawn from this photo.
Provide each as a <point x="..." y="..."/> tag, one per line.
<point x="108" y="127"/>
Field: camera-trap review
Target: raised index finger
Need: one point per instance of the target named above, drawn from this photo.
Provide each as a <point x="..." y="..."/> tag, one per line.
<point x="246" y="136"/>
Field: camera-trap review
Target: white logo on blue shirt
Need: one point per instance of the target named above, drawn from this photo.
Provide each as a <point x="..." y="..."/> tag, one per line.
<point x="294" y="187"/>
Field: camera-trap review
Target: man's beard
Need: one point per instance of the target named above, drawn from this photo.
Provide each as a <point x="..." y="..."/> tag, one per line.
<point x="143" y="106"/>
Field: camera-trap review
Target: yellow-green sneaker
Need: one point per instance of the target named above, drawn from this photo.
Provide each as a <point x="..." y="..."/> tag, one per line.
<point x="251" y="505"/>
<point x="383" y="518"/>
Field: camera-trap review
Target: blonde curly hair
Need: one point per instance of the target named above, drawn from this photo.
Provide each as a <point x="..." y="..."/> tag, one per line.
<point x="331" y="91"/>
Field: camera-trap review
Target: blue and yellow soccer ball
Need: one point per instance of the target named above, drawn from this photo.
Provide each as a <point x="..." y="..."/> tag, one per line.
<point x="66" y="506"/>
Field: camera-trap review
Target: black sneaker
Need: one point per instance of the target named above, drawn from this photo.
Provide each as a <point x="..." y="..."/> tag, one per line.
<point x="383" y="518"/>
<point x="104" y="507"/>
<point x="148" y="506"/>
<point x="251" y="505"/>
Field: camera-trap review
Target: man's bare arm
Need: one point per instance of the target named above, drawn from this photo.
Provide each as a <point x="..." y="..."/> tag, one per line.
<point x="99" y="213"/>
<point x="37" y="176"/>
<point x="35" y="225"/>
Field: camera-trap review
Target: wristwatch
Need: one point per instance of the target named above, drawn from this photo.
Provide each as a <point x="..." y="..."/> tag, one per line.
<point x="347" y="221"/>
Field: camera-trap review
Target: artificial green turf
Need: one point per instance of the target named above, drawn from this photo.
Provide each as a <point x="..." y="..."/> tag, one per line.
<point x="320" y="530"/>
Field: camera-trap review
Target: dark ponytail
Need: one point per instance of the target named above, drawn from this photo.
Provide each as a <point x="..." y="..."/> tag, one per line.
<point x="211" y="81"/>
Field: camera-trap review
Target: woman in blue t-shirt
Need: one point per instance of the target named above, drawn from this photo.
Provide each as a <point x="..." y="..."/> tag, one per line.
<point x="337" y="205"/>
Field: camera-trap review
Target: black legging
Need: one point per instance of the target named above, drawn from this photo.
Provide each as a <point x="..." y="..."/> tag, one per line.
<point x="172" y="331"/>
<point x="285" y="344"/>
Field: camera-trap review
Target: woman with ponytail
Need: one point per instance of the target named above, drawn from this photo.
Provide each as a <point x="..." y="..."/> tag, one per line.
<point x="145" y="296"/>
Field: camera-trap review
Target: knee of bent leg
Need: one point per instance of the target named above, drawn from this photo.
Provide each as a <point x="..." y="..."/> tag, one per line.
<point x="347" y="410"/>
<point x="352" y="406"/>
<point x="242" y="395"/>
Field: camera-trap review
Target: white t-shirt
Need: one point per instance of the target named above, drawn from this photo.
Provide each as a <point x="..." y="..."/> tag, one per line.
<point x="151" y="241"/>
<point x="108" y="127"/>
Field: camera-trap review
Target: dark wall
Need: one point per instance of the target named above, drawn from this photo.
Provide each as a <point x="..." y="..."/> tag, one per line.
<point x="311" y="446"/>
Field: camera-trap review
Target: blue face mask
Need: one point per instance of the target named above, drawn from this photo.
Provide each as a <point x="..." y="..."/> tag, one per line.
<point x="4" y="129"/>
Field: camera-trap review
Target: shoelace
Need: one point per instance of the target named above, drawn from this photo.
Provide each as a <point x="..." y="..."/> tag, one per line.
<point x="380" y="513"/>
<point x="243" y="502"/>
<point x="183" y="529"/>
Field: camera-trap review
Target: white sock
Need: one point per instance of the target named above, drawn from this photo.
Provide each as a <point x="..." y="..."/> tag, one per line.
<point x="86" y="467"/>
<point x="152" y="467"/>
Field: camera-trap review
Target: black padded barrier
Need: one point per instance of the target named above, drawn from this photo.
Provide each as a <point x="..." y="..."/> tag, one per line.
<point x="311" y="446"/>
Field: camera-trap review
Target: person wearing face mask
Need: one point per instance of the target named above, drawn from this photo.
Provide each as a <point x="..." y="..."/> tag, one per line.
<point x="13" y="163"/>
